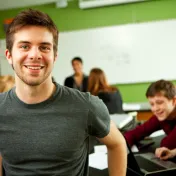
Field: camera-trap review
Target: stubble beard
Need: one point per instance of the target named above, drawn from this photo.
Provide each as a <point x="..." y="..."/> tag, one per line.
<point x="28" y="82"/>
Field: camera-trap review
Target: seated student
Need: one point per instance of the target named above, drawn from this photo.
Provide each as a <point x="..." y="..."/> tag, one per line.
<point x="162" y="98"/>
<point x="98" y="86"/>
<point x="164" y="153"/>
<point x="78" y="80"/>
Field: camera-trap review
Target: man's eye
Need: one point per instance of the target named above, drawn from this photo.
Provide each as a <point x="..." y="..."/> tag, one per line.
<point x="24" y="47"/>
<point x="159" y="102"/>
<point x="45" y="48"/>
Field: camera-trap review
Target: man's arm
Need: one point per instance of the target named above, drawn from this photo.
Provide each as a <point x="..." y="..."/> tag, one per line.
<point x="169" y="140"/>
<point x="141" y="131"/>
<point x="117" y="151"/>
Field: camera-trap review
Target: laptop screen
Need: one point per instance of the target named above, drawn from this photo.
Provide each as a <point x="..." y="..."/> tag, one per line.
<point x="131" y="161"/>
<point x="132" y="164"/>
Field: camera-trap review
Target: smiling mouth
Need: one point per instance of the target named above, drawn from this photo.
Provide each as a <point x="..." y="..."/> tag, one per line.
<point x="159" y="114"/>
<point x="34" y="68"/>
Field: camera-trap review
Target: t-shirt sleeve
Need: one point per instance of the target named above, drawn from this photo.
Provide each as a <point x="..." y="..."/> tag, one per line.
<point x="98" y="118"/>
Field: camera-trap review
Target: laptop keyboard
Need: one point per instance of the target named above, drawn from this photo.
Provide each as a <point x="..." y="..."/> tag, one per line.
<point x="148" y="165"/>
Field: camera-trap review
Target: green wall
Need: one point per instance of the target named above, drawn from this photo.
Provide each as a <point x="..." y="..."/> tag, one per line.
<point x="73" y="18"/>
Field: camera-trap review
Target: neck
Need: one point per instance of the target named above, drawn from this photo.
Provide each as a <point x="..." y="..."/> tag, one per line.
<point x="35" y="94"/>
<point x="78" y="74"/>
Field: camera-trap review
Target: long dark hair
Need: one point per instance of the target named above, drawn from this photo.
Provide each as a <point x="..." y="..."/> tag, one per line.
<point x="97" y="82"/>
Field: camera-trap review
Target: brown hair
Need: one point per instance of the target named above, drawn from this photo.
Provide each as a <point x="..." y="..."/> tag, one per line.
<point x="164" y="87"/>
<point x="31" y="18"/>
<point x="97" y="82"/>
<point x="6" y="83"/>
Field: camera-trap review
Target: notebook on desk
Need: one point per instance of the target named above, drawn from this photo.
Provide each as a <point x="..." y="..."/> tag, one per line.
<point x="148" y="165"/>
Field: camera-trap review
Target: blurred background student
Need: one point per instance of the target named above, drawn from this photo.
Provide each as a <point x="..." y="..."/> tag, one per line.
<point x="161" y="95"/>
<point x="78" y="80"/>
<point x="6" y="83"/>
<point x="98" y="86"/>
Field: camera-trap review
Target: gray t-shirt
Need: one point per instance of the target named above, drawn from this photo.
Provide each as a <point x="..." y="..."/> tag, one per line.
<point x="51" y="137"/>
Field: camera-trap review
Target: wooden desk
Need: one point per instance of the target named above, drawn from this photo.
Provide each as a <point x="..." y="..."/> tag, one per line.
<point x="144" y="115"/>
<point x="142" y="109"/>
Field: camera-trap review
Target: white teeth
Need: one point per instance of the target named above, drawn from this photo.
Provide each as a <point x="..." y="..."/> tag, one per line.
<point x="34" y="68"/>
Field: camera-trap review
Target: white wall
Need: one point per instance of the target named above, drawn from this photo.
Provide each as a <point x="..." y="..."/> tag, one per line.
<point x="5" y="68"/>
<point x="127" y="53"/>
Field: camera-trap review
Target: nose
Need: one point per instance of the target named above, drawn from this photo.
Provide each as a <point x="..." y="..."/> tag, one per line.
<point x="34" y="53"/>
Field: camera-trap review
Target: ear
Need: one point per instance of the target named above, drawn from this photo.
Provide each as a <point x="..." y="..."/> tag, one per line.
<point x="8" y="56"/>
<point x="174" y="100"/>
<point x="55" y="57"/>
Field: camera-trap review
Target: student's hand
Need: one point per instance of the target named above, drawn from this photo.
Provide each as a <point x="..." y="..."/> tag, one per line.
<point x="164" y="153"/>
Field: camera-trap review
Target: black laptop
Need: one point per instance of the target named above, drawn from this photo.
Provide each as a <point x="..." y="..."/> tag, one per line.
<point x="147" y="164"/>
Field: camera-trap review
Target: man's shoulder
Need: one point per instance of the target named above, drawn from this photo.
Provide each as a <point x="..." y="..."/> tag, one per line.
<point x="77" y="97"/>
<point x="3" y="94"/>
<point x="3" y="97"/>
<point x="75" y="94"/>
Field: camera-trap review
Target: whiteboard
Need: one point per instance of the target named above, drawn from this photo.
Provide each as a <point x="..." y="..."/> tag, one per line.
<point x="129" y="53"/>
<point x="5" y="67"/>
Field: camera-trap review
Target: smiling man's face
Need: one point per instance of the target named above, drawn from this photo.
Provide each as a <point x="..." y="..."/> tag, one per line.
<point x="32" y="56"/>
<point x="161" y="106"/>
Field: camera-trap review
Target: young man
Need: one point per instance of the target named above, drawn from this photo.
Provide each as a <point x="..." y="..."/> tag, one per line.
<point x="78" y="80"/>
<point x="162" y="98"/>
<point x="45" y="127"/>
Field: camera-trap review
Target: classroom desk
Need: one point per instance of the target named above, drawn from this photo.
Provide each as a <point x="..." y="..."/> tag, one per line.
<point x="142" y="109"/>
<point x="97" y="172"/>
<point x="144" y="115"/>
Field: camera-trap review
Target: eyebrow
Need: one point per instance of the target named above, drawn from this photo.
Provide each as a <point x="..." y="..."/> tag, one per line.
<point x="27" y="42"/>
<point x="23" y="42"/>
<point x="45" y="43"/>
